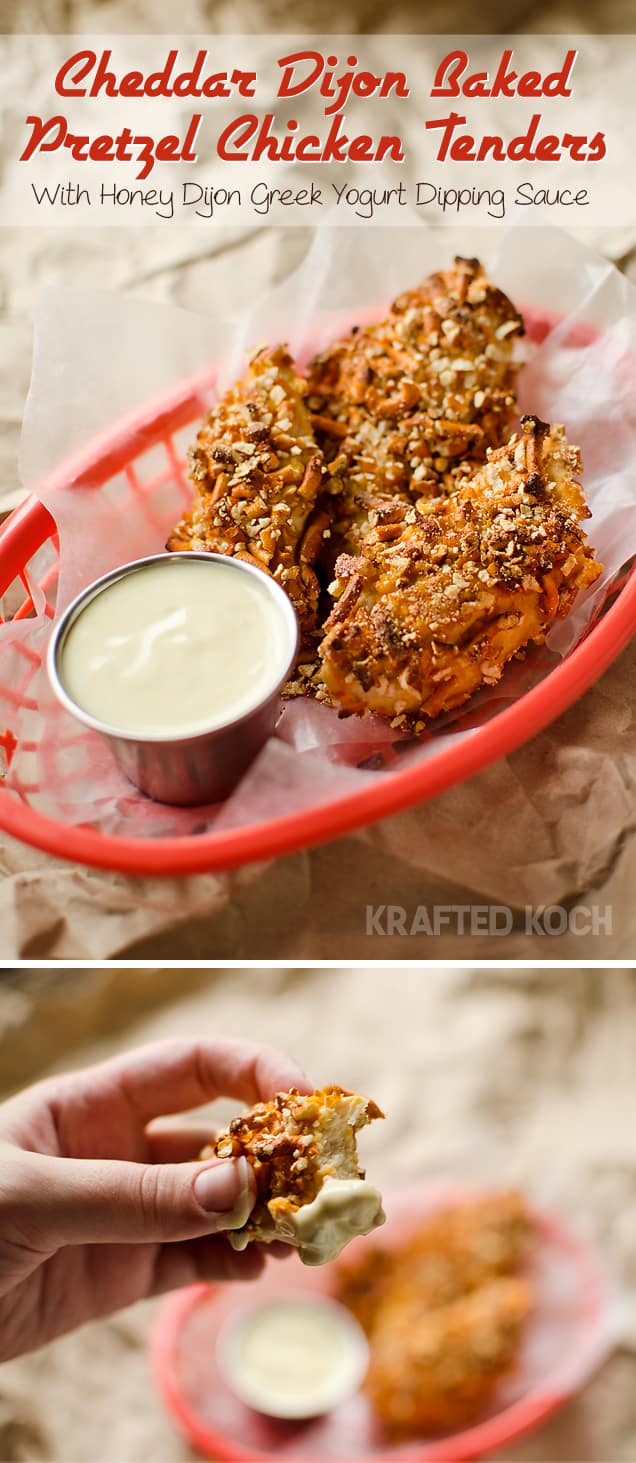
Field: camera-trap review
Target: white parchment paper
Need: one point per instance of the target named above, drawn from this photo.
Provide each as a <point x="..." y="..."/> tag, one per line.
<point x="98" y="357"/>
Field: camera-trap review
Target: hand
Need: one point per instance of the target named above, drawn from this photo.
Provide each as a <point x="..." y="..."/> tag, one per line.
<point x="98" y="1209"/>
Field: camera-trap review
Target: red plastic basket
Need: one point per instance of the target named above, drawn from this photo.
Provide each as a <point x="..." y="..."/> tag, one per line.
<point x="31" y="530"/>
<point x="581" y="1320"/>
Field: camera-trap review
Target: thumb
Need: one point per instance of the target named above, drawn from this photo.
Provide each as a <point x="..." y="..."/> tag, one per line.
<point x="62" y="1201"/>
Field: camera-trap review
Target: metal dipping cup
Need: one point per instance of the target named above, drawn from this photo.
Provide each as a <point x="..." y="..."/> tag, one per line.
<point x="347" y="1378"/>
<point x="187" y="769"/>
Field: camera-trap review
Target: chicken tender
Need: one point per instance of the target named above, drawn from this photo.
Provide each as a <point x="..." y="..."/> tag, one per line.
<point x="402" y="406"/>
<point x="311" y="1191"/>
<point x="433" y="1371"/>
<point x="444" y="1313"/>
<point x="257" y="472"/>
<point x="455" y="1251"/>
<point x="446" y="592"/>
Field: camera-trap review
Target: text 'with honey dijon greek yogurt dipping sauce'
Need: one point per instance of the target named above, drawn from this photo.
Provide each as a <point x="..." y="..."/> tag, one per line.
<point x="175" y="649"/>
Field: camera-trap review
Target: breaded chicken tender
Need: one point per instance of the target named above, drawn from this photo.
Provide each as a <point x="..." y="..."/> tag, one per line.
<point x="444" y="1313"/>
<point x="402" y="406"/>
<point x="445" y="593"/>
<point x="433" y="1371"/>
<point x="458" y="1249"/>
<point x="311" y="1191"/>
<point x="258" y="471"/>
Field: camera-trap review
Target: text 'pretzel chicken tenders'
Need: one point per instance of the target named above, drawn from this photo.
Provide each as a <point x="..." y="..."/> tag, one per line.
<point x="257" y="472"/>
<point x="402" y="406"/>
<point x="311" y="1191"/>
<point x="445" y="594"/>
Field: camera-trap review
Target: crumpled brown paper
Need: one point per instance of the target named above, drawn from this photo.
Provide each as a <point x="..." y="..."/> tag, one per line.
<point x="552" y="824"/>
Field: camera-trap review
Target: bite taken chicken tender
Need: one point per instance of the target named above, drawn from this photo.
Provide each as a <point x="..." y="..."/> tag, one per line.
<point x="257" y="472"/>
<point x="445" y="593"/>
<point x="311" y="1191"/>
<point x="402" y="405"/>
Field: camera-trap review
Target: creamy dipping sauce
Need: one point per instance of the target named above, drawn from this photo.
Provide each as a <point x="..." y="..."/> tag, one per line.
<point x="296" y="1358"/>
<point x="175" y="648"/>
<point x="341" y="1210"/>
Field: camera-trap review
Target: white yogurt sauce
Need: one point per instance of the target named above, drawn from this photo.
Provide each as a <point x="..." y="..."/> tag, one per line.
<point x="175" y="648"/>
<point x="342" y="1209"/>
<point x="296" y="1358"/>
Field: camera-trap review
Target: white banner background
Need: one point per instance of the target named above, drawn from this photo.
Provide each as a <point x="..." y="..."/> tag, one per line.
<point x="210" y="191"/>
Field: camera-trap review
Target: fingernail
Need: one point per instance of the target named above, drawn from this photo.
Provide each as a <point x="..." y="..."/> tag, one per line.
<point x="225" y="1189"/>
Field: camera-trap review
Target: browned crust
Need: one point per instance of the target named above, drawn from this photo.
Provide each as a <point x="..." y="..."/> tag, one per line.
<point x="464" y="583"/>
<point x="258" y="471"/>
<point x="375" y="465"/>
<point x="283" y="1142"/>
<point x="402" y="405"/>
<point x="437" y="1371"/>
<point x="456" y="1250"/>
<point x="444" y="1313"/>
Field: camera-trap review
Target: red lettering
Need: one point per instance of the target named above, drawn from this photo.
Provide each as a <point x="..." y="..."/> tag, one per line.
<point x="104" y="80"/>
<point x="308" y="149"/>
<point x="454" y="64"/>
<point x="504" y="82"/>
<point x="495" y="145"/>
<point x="290" y="88"/>
<point x="530" y="84"/>
<point x="55" y="129"/>
<point x="102" y="150"/>
<point x="361" y="150"/>
<point x="548" y="149"/>
<point x="390" y="147"/>
<point x="132" y="84"/>
<point x="75" y="70"/>
<point x="462" y="150"/>
<point x="507" y="83"/>
<point x="448" y="125"/>
<point x="520" y="149"/>
<point x="598" y="148"/>
<point x="477" y="85"/>
<point x="237" y="135"/>
<point x="335" y="148"/>
<point x="556" y="84"/>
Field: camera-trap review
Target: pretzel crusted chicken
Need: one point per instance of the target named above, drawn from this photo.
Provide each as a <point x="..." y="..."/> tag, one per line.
<point x="386" y="478"/>
<point x="443" y="595"/>
<point x="311" y="1191"/>
<point x="455" y="1251"/>
<point x="444" y="1313"/>
<point x="403" y="405"/>
<point x="257" y="472"/>
<point x="437" y="1370"/>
